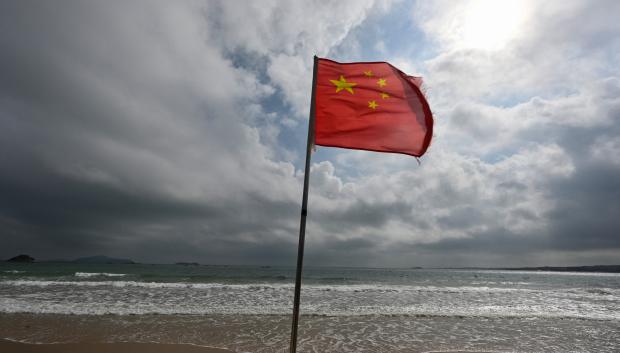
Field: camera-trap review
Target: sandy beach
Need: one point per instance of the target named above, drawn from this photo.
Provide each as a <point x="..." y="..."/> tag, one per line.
<point x="17" y="347"/>
<point x="270" y="334"/>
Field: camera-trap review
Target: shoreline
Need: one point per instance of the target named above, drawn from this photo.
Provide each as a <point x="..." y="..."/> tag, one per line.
<point x="10" y="346"/>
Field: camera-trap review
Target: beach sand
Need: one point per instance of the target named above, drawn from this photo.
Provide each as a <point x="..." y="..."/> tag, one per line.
<point x="16" y="347"/>
<point x="54" y="333"/>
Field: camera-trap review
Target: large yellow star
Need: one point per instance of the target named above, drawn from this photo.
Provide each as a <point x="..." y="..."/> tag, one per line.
<point x="382" y="82"/>
<point x="373" y="104"/>
<point x="342" y="84"/>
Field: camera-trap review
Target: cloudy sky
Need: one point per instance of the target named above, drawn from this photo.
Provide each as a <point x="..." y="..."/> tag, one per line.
<point x="176" y="131"/>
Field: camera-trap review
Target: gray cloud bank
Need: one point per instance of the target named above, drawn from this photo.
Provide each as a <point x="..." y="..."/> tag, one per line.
<point x="143" y="131"/>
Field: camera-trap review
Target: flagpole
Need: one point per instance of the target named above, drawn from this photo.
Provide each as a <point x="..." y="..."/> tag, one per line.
<point x="304" y="213"/>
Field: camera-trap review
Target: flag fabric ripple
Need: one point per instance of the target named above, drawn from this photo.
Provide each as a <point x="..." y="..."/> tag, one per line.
<point x="371" y="106"/>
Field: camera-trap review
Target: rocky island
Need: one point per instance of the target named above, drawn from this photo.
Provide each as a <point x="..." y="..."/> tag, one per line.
<point x="22" y="258"/>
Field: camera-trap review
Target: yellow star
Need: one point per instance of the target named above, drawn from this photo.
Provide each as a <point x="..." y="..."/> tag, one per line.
<point x="368" y="73"/>
<point x="373" y="104"/>
<point x="384" y="95"/>
<point x="381" y="82"/>
<point x="343" y="84"/>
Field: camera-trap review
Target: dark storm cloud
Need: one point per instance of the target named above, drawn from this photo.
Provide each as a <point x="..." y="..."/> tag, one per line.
<point x="364" y="214"/>
<point x="119" y="135"/>
<point x="588" y="202"/>
<point x="463" y="217"/>
<point x="587" y="215"/>
<point x="491" y="242"/>
<point x="42" y="198"/>
<point x="143" y="131"/>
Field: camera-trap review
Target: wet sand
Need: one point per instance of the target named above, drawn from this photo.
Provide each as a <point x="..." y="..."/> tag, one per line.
<point x="270" y="334"/>
<point x="16" y="347"/>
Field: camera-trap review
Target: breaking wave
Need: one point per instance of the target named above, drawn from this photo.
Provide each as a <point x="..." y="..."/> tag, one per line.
<point x="98" y="274"/>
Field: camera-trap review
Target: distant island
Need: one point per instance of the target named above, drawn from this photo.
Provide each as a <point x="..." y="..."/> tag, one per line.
<point x="23" y="258"/>
<point x="595" y="268"/>
<point x="97" y="259"/>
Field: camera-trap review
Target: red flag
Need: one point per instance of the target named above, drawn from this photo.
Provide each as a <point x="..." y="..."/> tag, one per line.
<point x="371" y="106"/>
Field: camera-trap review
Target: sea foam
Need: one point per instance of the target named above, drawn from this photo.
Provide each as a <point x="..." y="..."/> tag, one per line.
<point x="134" y="297"/>
<point x="99" y="274"/>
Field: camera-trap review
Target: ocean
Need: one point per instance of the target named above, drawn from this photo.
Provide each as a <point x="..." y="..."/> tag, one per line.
<point x="248" y="309"/>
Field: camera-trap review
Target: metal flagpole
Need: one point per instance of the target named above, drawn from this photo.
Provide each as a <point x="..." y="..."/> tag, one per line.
<point x="304" y="213"/>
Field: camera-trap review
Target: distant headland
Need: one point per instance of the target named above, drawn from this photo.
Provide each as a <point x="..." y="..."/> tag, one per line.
<point x="595" y="268"/>
<point x="21" y="258"/>
<point x="97" y="259"/>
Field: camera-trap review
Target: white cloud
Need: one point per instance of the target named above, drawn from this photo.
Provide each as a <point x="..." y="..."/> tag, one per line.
<point x="481" y="129"/>
<point x="477" y="24"/>
<point x="559" y="47"/>
<point x="448" y="196"/>
<point x="289" y="34"/>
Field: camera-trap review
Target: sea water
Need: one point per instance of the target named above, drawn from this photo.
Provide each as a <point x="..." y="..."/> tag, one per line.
<point x="343" y="309"/>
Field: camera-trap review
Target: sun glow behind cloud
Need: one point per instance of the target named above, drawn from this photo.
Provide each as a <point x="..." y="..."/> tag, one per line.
<point x="485" y="24"/>
<point x="490" y="24"/>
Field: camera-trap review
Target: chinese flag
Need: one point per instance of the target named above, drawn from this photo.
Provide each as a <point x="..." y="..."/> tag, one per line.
<point x="370" y="106"/>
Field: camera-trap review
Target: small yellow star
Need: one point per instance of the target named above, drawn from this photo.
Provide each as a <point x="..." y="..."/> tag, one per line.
<point x="384" y="95"/>
<point x="368" y="73"/>
<point x="382" y="82"/>
<point x="342" y="84"/>
<point x="373" y="104"/>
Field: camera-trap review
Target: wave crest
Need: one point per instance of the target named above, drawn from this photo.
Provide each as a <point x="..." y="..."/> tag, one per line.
<point x="98" y="274"/>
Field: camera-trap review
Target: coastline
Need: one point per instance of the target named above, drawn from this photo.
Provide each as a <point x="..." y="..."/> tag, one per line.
<point x="125" y="347"/>
<point x="19" y="347"/>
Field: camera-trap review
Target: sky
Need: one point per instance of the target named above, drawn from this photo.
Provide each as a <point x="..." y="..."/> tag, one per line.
<point x="167" y="131"/>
